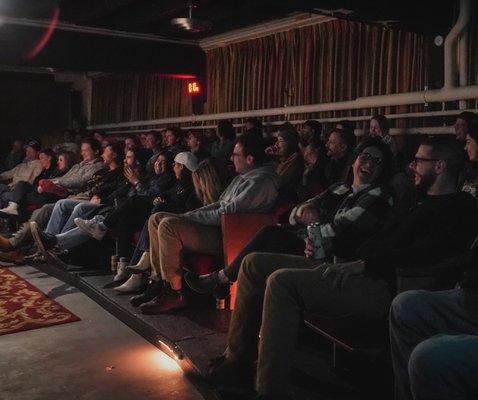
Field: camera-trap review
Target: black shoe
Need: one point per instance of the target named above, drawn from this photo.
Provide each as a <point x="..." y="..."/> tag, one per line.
<point x="229" y="376"/>
<point x="153" y="289"/>
<point x="167" y="301"/>
<point x="113" y="284"/>
<point x="207" y="284"/>
<point x="43" y="240"/>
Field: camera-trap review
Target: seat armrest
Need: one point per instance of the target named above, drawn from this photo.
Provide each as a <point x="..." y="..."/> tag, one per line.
<point x="450" y="265"/>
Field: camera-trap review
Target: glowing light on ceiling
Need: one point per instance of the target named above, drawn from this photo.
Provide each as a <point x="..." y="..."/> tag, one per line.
<point x="42" y="42"/>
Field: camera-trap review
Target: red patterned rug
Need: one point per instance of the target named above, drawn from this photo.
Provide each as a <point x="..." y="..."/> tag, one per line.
<point x="24" y="307"/>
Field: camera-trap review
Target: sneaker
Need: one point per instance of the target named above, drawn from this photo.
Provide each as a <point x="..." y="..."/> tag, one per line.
<point x="168" y="300"/>
<point x="11" y="209"/>
<point x="43" y="240"/>
<point x="153" y="289"/>
<point x="207" y="284"/>
<point x="91" y="227"/>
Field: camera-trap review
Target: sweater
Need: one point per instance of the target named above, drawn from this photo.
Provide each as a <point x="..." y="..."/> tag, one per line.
<point x="26" y="171"/>
<point x="79" y="174"/>
<point x="435" y="228"/>
<point x="253" y="191"/>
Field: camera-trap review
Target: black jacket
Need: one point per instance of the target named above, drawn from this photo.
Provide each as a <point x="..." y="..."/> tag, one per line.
<point x="435" y="228"/>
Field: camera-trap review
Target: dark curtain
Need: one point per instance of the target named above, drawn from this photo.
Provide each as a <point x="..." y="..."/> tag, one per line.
<point x="334" y="61"/>
<point x="134" y="97"/>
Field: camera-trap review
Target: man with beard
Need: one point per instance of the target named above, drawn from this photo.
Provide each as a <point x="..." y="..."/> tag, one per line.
<point x="440" y="225"/>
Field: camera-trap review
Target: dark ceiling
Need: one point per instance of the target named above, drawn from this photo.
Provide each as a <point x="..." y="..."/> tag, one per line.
<point x="87" y="52"/>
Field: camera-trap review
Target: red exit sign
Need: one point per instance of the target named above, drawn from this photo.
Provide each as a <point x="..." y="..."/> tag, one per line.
<point x="194" y="87"/>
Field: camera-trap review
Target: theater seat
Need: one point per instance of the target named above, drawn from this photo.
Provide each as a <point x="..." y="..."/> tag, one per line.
<point x="360" y="335"/>
<point x="237" y="231"/>
<point x="201" y="263"/>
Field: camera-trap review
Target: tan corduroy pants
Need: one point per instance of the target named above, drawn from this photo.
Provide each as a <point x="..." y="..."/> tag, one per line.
<point x="169" y="235"/>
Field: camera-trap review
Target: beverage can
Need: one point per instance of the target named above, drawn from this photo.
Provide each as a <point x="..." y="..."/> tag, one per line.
<point x="314" y="234"/>
<point x="114" y="263"/>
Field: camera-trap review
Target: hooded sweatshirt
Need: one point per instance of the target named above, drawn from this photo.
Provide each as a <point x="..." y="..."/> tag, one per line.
<point x="253" y="191"/>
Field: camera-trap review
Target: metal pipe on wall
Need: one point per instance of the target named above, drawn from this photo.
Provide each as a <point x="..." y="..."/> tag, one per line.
<point x="450" y="64"/>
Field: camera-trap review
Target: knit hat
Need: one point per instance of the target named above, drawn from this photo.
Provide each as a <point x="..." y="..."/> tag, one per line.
<point x="187" y="159"/>
<point x="34" y="144"/>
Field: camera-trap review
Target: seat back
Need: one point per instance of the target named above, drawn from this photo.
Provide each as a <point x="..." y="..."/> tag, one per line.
<point x="237" y="231"/>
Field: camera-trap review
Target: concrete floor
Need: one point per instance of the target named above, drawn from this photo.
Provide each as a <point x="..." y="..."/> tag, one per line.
<point x="97" y="358"/>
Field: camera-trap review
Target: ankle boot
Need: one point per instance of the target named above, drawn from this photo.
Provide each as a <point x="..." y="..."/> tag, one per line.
<point x="132" y="285"/>
<point x="143" y="264"/>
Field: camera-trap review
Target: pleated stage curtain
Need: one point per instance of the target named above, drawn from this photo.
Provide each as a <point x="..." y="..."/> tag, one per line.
<point x="333" y="61"/>
<point x="134" y="97"/>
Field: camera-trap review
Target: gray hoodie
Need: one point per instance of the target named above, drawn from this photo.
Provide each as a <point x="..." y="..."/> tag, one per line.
<point x="254" y="191"/>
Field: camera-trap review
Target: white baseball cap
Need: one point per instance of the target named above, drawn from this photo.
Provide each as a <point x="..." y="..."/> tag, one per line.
<point x="187" y="159"/>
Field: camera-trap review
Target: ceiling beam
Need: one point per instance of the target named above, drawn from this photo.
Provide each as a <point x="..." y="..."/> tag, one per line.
<point x="37" y="23"/>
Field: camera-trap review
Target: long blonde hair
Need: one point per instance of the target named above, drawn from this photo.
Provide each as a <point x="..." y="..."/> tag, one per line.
<point x="208" y="181"/>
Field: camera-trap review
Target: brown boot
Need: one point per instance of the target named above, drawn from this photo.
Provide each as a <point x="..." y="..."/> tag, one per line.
<point x="5" y="244"/>
<point x="15" y="256"/>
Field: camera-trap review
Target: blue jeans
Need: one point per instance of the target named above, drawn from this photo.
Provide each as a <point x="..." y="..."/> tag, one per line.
<point x="434" y="346"/>
<point x="64" y="213"/>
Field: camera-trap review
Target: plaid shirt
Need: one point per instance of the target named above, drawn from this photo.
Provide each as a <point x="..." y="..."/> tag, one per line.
<point x="359" y="213"/>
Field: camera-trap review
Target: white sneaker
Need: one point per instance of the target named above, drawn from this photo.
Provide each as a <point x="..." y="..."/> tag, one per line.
<point x="11" y="209"/>
<point x="91" y="227"/>
<point x="133" y="284"/>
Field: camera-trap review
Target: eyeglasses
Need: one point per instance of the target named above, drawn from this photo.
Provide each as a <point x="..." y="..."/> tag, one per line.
<point x="416" y="160"/>
<point x="369" y="157"/>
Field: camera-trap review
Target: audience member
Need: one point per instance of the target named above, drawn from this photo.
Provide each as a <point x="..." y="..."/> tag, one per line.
<point x="180" y="198"/>
<point x="152" y="144"/>
<point x="255" y="188"/>
<point x="26" y="171"/>
<point x="253" y="126"/>
<point x="68" y="143"/>
<point x="313" y="180"/>
<point x="103" y="189"/>
<point x="340" y="145"/>
<point x="470" y="183"/>
<point x="223" y="147"/>
<point x="99" y="135"/>
<point x="209" y="138"/>
<point x="311" y="134"/>
<point x="462" y="124"/>
<point x="172" y="140"/>
<point x="441" y="225"/>
<point x="15" y="156"/>
<point x="434" y="343"/>
<point x="348" y="212"/>
<point x="288" y="159"/>
<point x="195" y="142"/>
<point x="24" y="193"/>
<point x="131" y="214"/>
<point x="73" y="182"/>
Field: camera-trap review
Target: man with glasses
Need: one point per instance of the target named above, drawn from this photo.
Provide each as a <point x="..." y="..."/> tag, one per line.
<point x="442" y="224"/>
<point x="254" y="189"/>
<point x="349" y="212"/>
